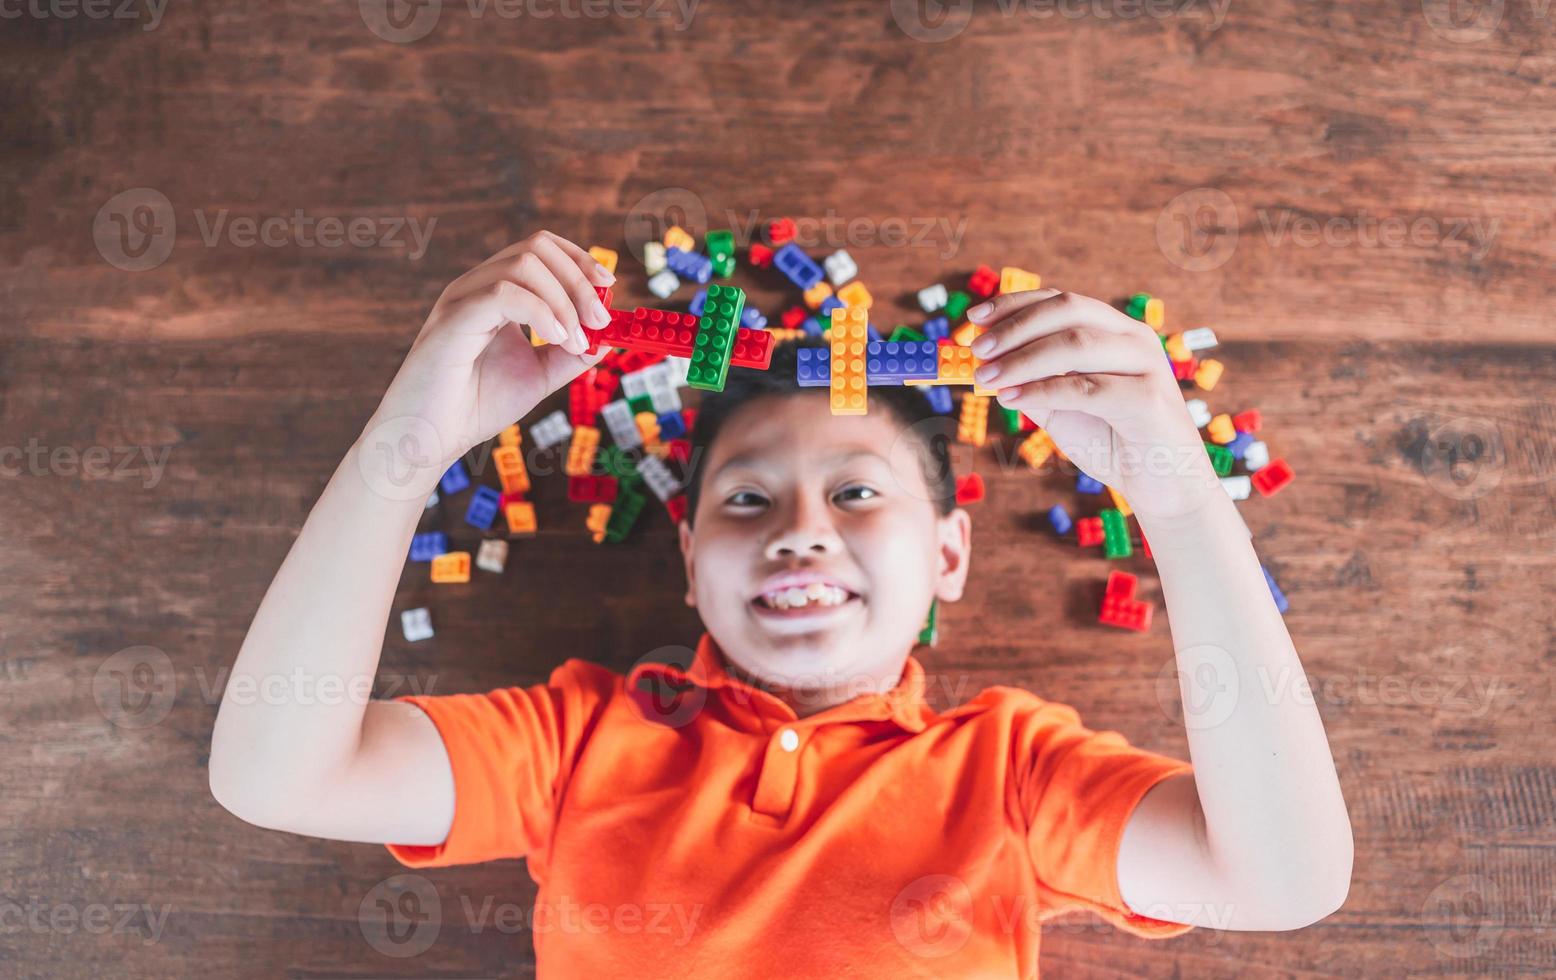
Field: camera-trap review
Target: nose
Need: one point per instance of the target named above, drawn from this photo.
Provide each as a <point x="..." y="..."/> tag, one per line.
<point x="805" y="529"/>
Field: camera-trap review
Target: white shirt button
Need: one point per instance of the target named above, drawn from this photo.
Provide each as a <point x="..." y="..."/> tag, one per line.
<point x="789" y="739"/>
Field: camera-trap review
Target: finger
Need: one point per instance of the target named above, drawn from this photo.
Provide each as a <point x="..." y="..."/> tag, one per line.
<point x="997" y="308"/>
<point x="1107" y="396"/>
<point x="597" y="273"/>
<point x="1036" y="318"/>
<point x="559" y="367"/>
<point x="530" y="271"/>
<point x="468" y="325"/>
<point x="1065" y="351"/>
<point x="586" y="302"/>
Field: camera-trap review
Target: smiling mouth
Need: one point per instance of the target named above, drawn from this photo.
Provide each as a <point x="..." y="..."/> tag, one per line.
<point x="804" y="599"/>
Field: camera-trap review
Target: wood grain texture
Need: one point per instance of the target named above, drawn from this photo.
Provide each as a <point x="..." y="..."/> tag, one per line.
<point x="1419" y="596"/>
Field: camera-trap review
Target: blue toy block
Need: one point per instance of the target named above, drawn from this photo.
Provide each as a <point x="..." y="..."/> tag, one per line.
<point x="1085" y="484"/>
<point x="872" y="333"/>
<point x="752" y="318"/>
<point x="698" y="302"/>
<point x="827" y="306"/>
<point x="692" y="266"/>
<point x="1059" y="519"/>
<point x="939" y="398"/>
<point x="483" y="508"/>
<point x="813" y="367"/>
<point x="425" y="547"/>
<point x="1239" y="446"/>
<point x="801" y="269"/>
<point x="672" y="425"/>
<point x="1275" y="592"/>
<point x="888" y="361"/>
<point x="455" y="479"/>
<point x="937" y="328"/>
<point x="813" y="326"/>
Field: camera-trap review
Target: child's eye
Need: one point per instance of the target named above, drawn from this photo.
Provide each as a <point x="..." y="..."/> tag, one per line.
<point x="865" y="493"/>
<point x="756" y="499"/>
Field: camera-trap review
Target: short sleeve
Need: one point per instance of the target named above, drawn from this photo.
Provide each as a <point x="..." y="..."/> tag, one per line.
<point x="1076" y="789"/>
<point x="511" y="751"/>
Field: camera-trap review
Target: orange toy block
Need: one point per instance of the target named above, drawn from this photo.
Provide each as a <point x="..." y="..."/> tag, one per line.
<point x="850" y="334"/>
<point x="1221" y="430"/>
<point x="678" y="237"/>
<point x="1177" y="351"/>
<point x="521" y="517"/>
<point x="855" y="295"/>
<point x="817" y="294"/>
<point x="965" y="334"/>
<point x="1209" y="373"/>
<point x="1119" y="502"/>
<point x="510" y="436"/>
<point x="582" y="450"/>
<point x="1014" y="280"/>
<point x="605" y="257"/>
<point x="599" y="517"/>
<point x="648" y="429"/>
<point x="510" y="469"/>
<point x="1037" y="449"/>
<point x="973" y="426"/>
<point x="450" y="567"/>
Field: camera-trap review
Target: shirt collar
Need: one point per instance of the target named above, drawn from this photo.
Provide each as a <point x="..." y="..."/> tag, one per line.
<point x="904" y="704"/>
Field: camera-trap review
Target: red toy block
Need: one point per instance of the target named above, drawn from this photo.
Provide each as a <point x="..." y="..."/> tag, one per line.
<point x="969" y="489"/>
<point x="1121" y="585"/>
<point x="681" y="451"/>
<point x="604" y="292"/>
<point x="753" y="349"/>
<point x="689" y="417"/>
<point x="510" y="498"/>
<point x="1027" y="425"/>
<point x="780" y="231"/>
<point x="1249" y="421"/>
<point x="1129" y="614"/>
<point x="591" y="489"/>
<point x="584" y="399"/>
<point x="794" y="317"/>
<point x="637" y="360"/>
<point x="676" y="505"/>
<point x="1274" y="475"/>
<point x="605" y="385"/>
<point x="761" y="256"/>
<point x="984" y="282"/>
<point x="1088" y="531"/>
<point x="1145" y="546"/>
<point x="1184" y="370"/>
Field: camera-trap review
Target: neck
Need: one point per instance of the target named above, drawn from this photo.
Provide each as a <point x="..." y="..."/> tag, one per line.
<point x="806" y="700"/>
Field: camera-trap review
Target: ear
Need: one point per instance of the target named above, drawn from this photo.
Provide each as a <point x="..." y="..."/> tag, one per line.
<point x="686" y="556"/>
<point x="955" y="531"/>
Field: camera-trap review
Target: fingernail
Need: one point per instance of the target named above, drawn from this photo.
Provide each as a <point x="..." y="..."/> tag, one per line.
<point x="980" y="311"/>
<point x="610" y="276"/>
<point x="987" y="372"/>
<point x="602" y="316"/>
<point x="983" y="346"/>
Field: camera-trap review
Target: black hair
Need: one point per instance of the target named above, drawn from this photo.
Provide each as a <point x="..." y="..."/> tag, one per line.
<point x="932" y="431"/>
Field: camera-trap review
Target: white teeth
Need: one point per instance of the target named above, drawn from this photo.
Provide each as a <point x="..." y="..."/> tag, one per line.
<point x="795" y="597"/>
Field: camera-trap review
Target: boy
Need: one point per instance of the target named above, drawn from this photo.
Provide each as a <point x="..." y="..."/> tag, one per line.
<point x="789" y="799"/>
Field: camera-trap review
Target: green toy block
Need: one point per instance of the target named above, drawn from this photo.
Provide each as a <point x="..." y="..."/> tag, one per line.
<point x="716" y="330"/>
<point x="723" y="266"/>
<point x="1012" y="419"/>
<point x="930" y="634"/>
<point x="957" y="305"/>
<point x="642" y="403"/>
<point x="906" y="333"/>
<point x="1220" y="458"/>
<point x="624" y="514"/>
<point x="617" y="462"/>
<point x="1115" y="533"/>
<point x="721" y="249"/>
<point x="1136" y="306"/>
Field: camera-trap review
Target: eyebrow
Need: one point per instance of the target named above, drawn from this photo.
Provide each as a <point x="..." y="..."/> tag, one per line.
<point x="759" y="460"/>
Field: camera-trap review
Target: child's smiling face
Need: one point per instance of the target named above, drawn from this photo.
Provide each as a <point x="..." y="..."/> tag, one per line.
<point x="837" y="507"/>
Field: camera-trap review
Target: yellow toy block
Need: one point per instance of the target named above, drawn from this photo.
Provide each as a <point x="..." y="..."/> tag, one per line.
<point x="1037" y="449"/>
<point x="1209" y="373"/>
<point x="973" y="426"/>
<point x="1221" y="430"/>
<point x="599" y="517"/>
<point x="648" y="429"/>
<point x="678" y="237"/>
<point x="956" y="365"/>
<point x="817" y="294"/>
<point x="782" y="334"/>
<point x="521" y="517"/>
<point x="964" y="335"/>
<point x="1014" y="280"/>
<point x="1177" y="350"/>
<point x="510" y="436"/>
<point x="850" y="334"/>
<point x="855" y="295"/>
<point x="510" y="469"/>
<point x="605" y="257"/>
<point x="582" y="450"/>
<point x="450" y="567"/>
<point x="536" y="340"/>
<point x="1120" y="502"/>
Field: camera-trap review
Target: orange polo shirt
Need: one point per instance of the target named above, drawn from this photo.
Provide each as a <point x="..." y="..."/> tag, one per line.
<point x="682" y="823"/>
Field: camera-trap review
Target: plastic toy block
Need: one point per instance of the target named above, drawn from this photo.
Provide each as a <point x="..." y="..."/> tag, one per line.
<point x="939" y="398"/>
<point x="793" y="317"/>
<point x="1085" y="484"/>
<point x="964" y="335"/>
<point x="1209" y="373"/>
<point x="931" y="299"/>
<point x="1088" y="532"/>
<point x="416" y="624"/>
<point x="848" y="382"/>
<point x="1256" y="457"/>
<point x="648" y="429"/>
<point x="760" y="255"/>
<point x="483" y="508"/>
<point x="1272" y="477"/>
<point x="1121" y="585"/>
<point x="1249" y="421"/>
<point x="689" y="265"/>
<point x="1014" y="280"/>
<point x="1185" y="370"/>
<point x="678" y="237"/>
<point x="510" y="436"/>
<point x="1198" y="411"/>
<point x="984" y="282"/>
<point x="520" y="515"/>
<point x="896" y="361"/>
<point x="428" y="545"/>
<point x="664" y="283"/>
<point x="605" y="257"/>
<point x="432" y="501"/>
<point x="937" y="328"/>
<point x="716" y="331"/>
<point x="454" y="479"/>
<point x="1059" y="519"/>
<point x="1129" y="614"/>
<point x="970" y="489"/>
<point x="617" y="463"/>
<point x="582" y="449"/>
<point x="592" y="489"/>
<point x="813" y="367"/>
<point x="639" y="405"/>
<point x="676" y="508"/>
<point x="956" y="305"/>
<point x="1275" y="593"/>
<point x="956" y="364"/>
<point x="840" y="267"/>
<point x="511" y="471"/>
<point x="1220" y="458"/>
<point x="661" y="482"/>
<point x="798" y="267"/>
<point x="973" y="425"/>
<point x="721" y="252"/>
<point x="1012" y="419"/>
<point x="653" y="258"/>
<point x="1220" y="429"/>
<point x="652" y="331"/>
<point x="752" y="318"/>
<point x="902" y="333"/>
<point x="780" y="230"/>
<point x="624" y="515"/>
<point x="1027" y="425"/>
<point x="1177" y="350"/>
<point x="1119" y="502"/>
<point x="814" y="327"/>
<point x="1237" y="487"/>
<point x="1238" y="447"/>
<point x="492" y="556"/>
<point x="671" y="425"/>
<point x="1143" y="306"/>
<point x="817" y="295"/>
<point x="753" y="349"/>
<point x="618" y="420"/>
<point x="698" y="299"/>
<point x="583" y="402"/>
<point x="1145" y="546"/>
<point x="552" y="430"/>
<point x="1200" y="338"/>
<point x="856" y="295"/>
<point x="930" y="634"/>
<point x="1115" y="534"/>
<point x="1036" y="449"/>
<point x="451" y="567"/>
<point x="680" y="451"/>
<point x="827" y="306"/>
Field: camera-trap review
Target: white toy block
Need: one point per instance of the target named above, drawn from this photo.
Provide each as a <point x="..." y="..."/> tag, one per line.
<point x="1256" y="457"/>
<point x="1199" y="412"/>
<point x="840" y="267"/>
<point x="664" y="400"/>
<point x="634" y="385"/>
<point x="932" y="299"/>
<point x="492" y="556"/>
<point x="432" y="501"/>
<point x="623" y="428"/>
<point x="552" y="430"/>
<point x="654" y="257"/>
<point x="676" y="369"/>
<point x="416" y="624"/>
<point x="1200" y="338"/>
<point x="658" y="477"/>
<point x="663" y="283"/>
<point x="1237" y="487"/>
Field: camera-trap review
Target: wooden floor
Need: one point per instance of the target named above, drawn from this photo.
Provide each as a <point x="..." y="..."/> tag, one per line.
<point x="1356" y="196"/>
